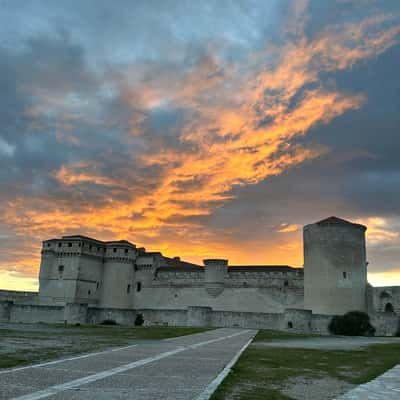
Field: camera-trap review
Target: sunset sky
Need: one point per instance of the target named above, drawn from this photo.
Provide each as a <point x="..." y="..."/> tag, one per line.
<point x="198" y="128"/>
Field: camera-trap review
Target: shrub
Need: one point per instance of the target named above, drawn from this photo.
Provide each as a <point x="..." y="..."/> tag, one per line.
<point x="353" y="323"/>
<point x="139" y="320"/>
<point x="109" y="322"/>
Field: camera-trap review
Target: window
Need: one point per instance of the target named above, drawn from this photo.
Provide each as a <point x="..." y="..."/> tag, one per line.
<point x="97" y="285"/>
<point x="61" y="268"/>
<point x="89" y="292"/>
<point x="139" y="286"/>
<point x="126" y="251"/>
<point x="59" y="244"/>
<point x="48" y="244"/>
<point x="344" y="274"/>
<point x="114" y="250"/>
<point x="69" y="244"/>
<point x="90" y="247"/>
<point x="286" y="283"/>
<point x="290" y="324"/>
<point x="128" y="289"/>
<point x="389" y="308"/>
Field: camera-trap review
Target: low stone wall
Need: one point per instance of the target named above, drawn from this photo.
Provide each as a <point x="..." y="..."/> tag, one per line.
<point x="164" y="317"/>
<point x="17" y="296"/>
<point x="120" y="316"/>
<point x="34" y="314"/>
<point x="292" y="320"/>
<point x="249" y="320"/>
<point x="5" y="310"/>
<point x="320" y="323"/>
<point x="386" y="324"/>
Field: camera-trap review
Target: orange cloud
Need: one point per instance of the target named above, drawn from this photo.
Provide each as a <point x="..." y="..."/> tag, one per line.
<point x="245" y="121"/>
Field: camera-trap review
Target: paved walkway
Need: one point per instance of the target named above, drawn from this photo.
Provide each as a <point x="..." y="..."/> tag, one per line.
<point x="384" y="387"/>
<point x="188" y="367"/>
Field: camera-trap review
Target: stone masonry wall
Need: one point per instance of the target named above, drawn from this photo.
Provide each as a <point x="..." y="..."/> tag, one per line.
<point x="291" y="320"/>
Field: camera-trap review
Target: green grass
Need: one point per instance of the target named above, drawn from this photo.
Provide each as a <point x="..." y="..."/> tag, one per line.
<point x="261" y="371"/>
<point x="38" y="344"/>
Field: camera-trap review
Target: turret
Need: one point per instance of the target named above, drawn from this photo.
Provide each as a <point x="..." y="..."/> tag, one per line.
<point x="335" y="267"/>
<point x="215" y="271"/>
<point x="118" y="275"/>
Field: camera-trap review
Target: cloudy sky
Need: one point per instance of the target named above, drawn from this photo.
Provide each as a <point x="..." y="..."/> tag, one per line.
<point x="198" y="128"/>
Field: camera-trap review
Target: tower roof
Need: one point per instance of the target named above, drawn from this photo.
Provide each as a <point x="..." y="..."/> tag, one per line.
<point x="338" y="221"/>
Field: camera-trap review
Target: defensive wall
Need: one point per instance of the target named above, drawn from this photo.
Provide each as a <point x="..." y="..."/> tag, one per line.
<point x="291" y="320"/>
<point x="84" y="280"/>
<point x="19" y="296"/>
<point x="256" y="288"/>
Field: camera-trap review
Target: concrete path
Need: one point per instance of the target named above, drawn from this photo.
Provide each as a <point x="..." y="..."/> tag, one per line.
<point x="385" y="387"/>
<point x="188" y="367"/>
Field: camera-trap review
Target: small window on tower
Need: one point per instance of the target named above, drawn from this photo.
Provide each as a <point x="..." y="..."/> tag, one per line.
<point x="344" y="275"/>
<point x="97" y="285"/>
<point x="89" y="292"/>
<point x="114" y="250"/>
<point x="128" y="289"/>
<point x="90" y="247"/>
<point x="59" y="244"/>
<point x="126" y="251"/>
<point x="48" y="244"/>
<point x="139" y="286"/>
<point x="286" y="283"/>
<point x="69" y="244"/>
<point x="60" y="270"/>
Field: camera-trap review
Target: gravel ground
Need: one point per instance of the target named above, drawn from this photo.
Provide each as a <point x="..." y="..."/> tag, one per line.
<point x="302" y="388"/>
<point x="329" y="343"/>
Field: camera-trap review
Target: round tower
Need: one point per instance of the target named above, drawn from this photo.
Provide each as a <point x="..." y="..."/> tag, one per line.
<point x="118" y="275"/>
<point x="215" y="271"/>
<point x="335" y="267"/>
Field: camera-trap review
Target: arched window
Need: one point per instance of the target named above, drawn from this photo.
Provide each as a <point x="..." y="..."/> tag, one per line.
<point x="138" y="286"/>
<point x="389" y="308"/>
<point x="290" y="324"/>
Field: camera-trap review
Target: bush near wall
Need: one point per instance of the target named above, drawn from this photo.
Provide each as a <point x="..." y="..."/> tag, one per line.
<point x="353" y="323"/>
<point x="139" y="320"/>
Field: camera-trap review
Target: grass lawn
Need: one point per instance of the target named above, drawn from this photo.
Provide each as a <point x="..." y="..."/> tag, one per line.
<point x="265" y="335"/>
<point x="36" y="343"/>
<point x="261" y="372"/>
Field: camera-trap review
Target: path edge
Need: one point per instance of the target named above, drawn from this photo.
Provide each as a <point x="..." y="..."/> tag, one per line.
<point x="213" y="386"/>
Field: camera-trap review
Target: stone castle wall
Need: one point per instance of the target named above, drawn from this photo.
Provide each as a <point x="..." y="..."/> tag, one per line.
<point x="386" y="298"/>
<point x="18" y="296"/>
<point x="291" y="320"/>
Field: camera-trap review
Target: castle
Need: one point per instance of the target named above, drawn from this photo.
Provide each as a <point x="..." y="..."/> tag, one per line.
<point x="83" y="280"/>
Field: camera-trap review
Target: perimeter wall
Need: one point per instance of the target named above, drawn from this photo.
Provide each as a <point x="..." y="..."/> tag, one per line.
<point x="291" y="320"/>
